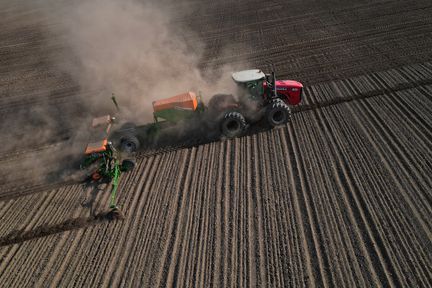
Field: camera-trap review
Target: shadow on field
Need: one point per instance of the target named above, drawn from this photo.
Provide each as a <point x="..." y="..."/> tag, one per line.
<point x="18" y="236"/>
<point x="174" y="138"/>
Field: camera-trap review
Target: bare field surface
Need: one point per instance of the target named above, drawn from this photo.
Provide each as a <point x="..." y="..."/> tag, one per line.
<point x="339" y="197"/>
<point x="252" y="211"/>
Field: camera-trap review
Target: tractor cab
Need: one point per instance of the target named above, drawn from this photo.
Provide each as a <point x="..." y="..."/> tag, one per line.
<point x="250" y="82"/>
<point x="260" y="86"/>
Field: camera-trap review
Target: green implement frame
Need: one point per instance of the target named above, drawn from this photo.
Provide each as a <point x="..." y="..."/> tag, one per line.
<point x="108" y="167"/>
<point x="115" y="182"/>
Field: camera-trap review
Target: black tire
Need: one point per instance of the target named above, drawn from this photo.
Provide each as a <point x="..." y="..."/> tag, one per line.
<point x="233" y="124"/>
<point x="127" y="165"/>
<point x="278" y="113"/>
<point x="129" y="143"/>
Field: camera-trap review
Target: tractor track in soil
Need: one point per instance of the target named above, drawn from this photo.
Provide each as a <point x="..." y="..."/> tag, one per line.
<point x="340" y="197"/>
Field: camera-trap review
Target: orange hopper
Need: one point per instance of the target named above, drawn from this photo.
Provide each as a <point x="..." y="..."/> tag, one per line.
<point x="186" y="101"/>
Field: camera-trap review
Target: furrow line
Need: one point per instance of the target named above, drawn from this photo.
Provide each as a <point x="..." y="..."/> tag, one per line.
<point x="266" y="187"/>
<point x="319" y="210"/>
<point x="201" y="233"/>
<point x="384" y="204"/>
<point x="285" y="219"/>
<point x="307" y="217"/>
<point x="62" y="255"/>
<point x="6" y="266"/>
<point x="251" y="215"/>
<point x="217" y="252"/>
<point x="299" y="267"/>
<point x="54" y="216"/>
<point x="402" y="157"/>
<point x="191" y="223"/>
<point x="144" y="232"/>
<point x="324" y="206"/>
<point x="202" y="267"/>
<point x="71" y="276"/>
<point x="243" y="278"/>
<point x="344" y="235"/>
<point x="224" y="223"/>
<point x="173" y="219"/>
<point x="279" y="214"/>
<point x="257" y="178"/>
<point x="169" y="197"/>
<point x="116" y="246"/>
<point x="421" y="150"/>
<point x="234" y="265"/>
<point x="367" y="198"/>
<point x="357" y="214"/>
<point x="17" y="215"/>
<point x="112" y="242"/>
<point x="180" y="229"/>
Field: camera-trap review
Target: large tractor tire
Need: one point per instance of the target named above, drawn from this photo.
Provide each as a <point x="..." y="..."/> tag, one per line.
<point x="278" y="113"/>
<point x="129" y="143"/>
<point x="233" y="124"/>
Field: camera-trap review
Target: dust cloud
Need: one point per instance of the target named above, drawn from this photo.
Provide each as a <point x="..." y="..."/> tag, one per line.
<point x="137" y="50"/>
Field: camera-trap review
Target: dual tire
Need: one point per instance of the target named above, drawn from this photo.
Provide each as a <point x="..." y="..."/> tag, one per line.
<point x="129" y="143"/>
<point x="278" y="113"/>
<point x="234" y="123"/>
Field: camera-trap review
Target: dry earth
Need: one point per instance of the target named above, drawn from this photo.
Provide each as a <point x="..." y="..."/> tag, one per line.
<point x="340" y="197"/>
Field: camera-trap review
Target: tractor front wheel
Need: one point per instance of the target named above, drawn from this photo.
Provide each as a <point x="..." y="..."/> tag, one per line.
<point x="278" y="113"/>
<point x="233" y="124"/>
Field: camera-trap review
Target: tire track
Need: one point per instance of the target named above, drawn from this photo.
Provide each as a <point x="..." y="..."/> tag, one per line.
<point x="387" y="201"/>
<point x="120" y="235"/>
<point x="148" y="200"/>
<point x="173" y="216"/>
<point x="368" y="236"/>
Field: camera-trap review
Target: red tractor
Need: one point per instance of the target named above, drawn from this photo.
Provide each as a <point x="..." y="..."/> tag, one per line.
<point x="259" y="95"/>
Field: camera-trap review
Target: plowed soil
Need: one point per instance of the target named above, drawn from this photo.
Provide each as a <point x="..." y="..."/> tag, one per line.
<point x="341" y="196"/>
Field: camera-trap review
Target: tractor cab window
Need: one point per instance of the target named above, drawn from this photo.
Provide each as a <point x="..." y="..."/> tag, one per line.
<point x="255" y="89"/>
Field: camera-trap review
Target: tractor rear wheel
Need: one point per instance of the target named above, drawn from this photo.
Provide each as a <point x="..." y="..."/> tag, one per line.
<point x="129" y="143"/>
<point x="278" y="113"/>
<point x="233" y="124"/>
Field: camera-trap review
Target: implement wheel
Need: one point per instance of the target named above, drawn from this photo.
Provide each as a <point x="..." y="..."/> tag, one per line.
<point x="129" y="143"/>
<point x="127" y="165"/>
<point x="96" y="176"/>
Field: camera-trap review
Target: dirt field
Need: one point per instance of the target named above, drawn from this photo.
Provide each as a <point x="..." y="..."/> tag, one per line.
<point x="339" y="197"/>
